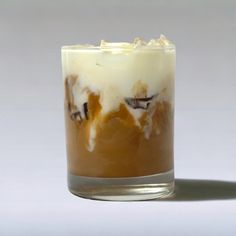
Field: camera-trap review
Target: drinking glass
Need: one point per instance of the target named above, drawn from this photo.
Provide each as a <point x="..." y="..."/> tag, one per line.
<point x="119" y="118"/>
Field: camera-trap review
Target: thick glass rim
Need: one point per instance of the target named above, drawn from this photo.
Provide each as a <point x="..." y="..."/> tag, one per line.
<point x="116" y="47"/>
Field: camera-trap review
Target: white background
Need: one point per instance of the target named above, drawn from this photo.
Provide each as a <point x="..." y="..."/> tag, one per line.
<point x="33" y="195"/>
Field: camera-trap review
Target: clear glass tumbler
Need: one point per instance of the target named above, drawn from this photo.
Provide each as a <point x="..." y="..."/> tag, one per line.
<point x="119" y="114"/>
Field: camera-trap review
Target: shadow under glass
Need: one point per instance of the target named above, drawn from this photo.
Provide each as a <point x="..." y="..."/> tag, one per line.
<point x="203" y="190"/>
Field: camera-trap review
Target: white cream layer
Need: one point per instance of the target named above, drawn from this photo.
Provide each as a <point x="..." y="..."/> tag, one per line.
<point x="112" y="70"/>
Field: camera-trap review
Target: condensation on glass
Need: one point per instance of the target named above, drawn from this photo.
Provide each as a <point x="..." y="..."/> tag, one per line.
<point x="119" y="114"/>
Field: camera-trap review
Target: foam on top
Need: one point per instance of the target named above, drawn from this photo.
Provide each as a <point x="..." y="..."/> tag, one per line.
<point x="138" y="44"/>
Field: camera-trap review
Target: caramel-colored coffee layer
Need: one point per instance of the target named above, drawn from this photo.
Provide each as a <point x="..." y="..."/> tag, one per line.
<point x="121" y="148"/>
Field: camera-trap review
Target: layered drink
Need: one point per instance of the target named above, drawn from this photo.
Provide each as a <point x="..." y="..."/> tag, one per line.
<point x="119" y="107"/>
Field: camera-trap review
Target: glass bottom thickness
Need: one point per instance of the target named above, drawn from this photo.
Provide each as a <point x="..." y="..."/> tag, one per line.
<point x="156" y="186"/>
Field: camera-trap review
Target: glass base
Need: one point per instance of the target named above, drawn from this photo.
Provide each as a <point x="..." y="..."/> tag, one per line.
<point x="123" y="189"/>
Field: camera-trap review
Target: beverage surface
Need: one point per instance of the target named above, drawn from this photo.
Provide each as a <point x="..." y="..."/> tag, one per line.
<point x="119" y="108"/>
